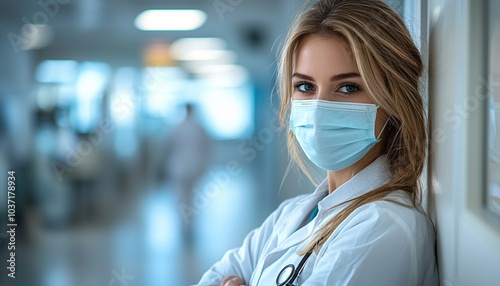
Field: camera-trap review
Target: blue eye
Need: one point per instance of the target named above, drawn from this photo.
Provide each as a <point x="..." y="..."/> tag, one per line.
<point x="304" y="87"/>
<point x="348" y="88"/>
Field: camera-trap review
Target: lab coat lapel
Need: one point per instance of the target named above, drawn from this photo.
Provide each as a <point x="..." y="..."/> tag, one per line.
<point x="291" y="224"/>
<point x="287" y="231"/>
<point x="288" y="238"/>
<point x="297" y="237"/>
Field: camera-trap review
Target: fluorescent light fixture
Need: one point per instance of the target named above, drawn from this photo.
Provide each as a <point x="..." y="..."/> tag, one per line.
<point x="170" y="20"/>
<point x="190" y="44"/>
<point x="219" y="69"/>
<point x="206" y="55"/>
<point x="223" y="75"/>
<point x="193" y="53"/>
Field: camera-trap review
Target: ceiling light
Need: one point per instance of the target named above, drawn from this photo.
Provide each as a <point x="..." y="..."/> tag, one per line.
<point x="190" y="44"/>
<point x="170" y="20"/>
<point x="223" y="75"/>
<point x="206" y="55"/>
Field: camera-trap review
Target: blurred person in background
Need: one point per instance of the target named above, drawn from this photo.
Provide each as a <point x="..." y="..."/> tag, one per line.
<point x="349" y="76"/>
<point x="188" y="155"/>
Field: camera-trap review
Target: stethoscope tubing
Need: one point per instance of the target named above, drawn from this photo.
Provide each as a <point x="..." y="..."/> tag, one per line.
<point x="295" y="271"/>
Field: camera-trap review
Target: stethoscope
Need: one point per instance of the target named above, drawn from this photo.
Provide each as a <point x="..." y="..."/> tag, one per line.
<point x="289" y="273"/>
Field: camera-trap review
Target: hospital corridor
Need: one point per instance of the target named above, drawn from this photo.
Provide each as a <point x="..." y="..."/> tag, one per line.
<point x="140" y="141"/>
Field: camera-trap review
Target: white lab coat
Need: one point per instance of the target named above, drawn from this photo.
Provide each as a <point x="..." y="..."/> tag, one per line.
<point x="380" y="243"/>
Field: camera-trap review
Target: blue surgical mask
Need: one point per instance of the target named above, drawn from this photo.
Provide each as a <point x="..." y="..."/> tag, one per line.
<point x="334" y="135"/>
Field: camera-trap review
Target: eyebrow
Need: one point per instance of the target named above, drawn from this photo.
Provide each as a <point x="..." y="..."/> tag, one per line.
<point x="333" y="78"/>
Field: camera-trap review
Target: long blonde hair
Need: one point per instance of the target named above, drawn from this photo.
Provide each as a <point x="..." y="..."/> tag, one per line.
<point x="390" y="66"/>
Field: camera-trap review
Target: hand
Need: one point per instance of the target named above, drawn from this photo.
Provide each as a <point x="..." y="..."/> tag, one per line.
<point x="232" y="281"/>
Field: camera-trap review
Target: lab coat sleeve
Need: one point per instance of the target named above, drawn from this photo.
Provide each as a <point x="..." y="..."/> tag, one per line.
<point x="378" y="247"/>
<point x="241" y="261"/>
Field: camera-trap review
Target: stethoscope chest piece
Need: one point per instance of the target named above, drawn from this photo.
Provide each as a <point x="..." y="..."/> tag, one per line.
<point x="289" y="273"/>
<point x="285" y="277"/>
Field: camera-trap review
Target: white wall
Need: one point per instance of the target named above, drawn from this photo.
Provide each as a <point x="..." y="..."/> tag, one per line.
<point x="468" y="237"/>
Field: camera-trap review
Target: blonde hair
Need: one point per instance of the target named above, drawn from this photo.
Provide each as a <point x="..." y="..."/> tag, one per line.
<point x="390" y="66"/>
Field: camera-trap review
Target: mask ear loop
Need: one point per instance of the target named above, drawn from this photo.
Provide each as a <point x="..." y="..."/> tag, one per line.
<point x="383" y="127"/>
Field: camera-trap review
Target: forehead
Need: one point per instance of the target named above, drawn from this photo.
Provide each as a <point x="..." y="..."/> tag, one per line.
<point x="324" y="54"/>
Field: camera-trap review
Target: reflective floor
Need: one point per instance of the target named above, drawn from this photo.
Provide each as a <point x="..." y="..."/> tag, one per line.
<point x="155" y="239"/>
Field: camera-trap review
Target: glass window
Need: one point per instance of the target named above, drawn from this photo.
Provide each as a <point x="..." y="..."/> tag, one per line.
<point x="223" y="96"/>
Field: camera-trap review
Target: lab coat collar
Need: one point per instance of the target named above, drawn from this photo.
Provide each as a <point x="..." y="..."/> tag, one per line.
<point x="371" y="177"/>
<point x="302" y="208"/>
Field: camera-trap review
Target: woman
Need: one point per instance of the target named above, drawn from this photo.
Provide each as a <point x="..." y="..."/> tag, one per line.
<point x="349" y="75"/>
